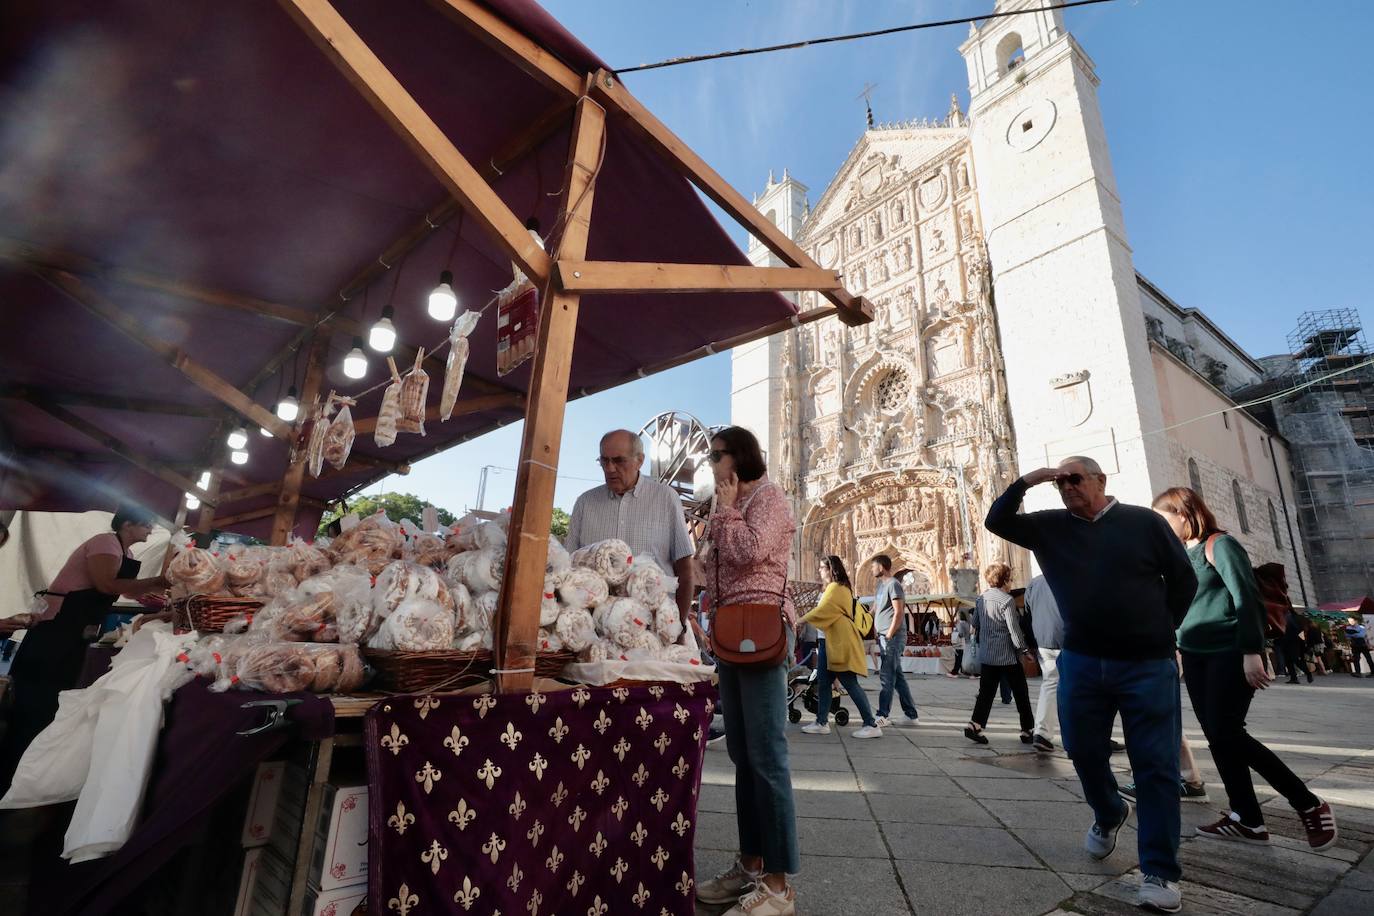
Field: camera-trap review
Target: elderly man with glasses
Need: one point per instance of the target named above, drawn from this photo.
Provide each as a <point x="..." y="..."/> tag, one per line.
<point x="639" y="510"/>
<point x="1123" y="584"/>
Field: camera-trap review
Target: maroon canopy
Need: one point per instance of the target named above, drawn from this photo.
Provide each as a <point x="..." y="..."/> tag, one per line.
<point x="214" y="145"/>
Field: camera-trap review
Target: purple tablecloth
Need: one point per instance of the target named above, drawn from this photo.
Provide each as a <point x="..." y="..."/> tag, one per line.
<point x="199" y="759"/>
<point x="579" y="801"/>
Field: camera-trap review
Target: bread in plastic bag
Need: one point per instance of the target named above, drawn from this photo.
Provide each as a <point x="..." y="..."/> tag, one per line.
<point x="484" y="573"/>
<point x="582" y="589"/>
<point x="560" y="561"/>
<point x="458" y="348"/>
<point x="549" y="640"/>
<point x="319" y="428"/>
<point x="338" y="439"/>
<point x="575" y="629"/>
<point x="414" y="392"/>
<point x="194" y="571"/>
<point x="417" y="625"/>
<point x="389" y="413"/>
<point x="611" y="559"/>
<point x="668" y="621"/>
<point x="549" y="608"/>
<point x="648" y="584"/>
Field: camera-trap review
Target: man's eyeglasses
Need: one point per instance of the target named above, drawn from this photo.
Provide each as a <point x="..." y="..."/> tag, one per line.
<point x="619" y="461"/>
<point x="1068" y="480"/>
<point x="719" y="453"/>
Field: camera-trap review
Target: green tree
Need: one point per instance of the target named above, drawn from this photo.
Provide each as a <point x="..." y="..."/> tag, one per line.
<point x="396" y="505"/>
<point x="559" y="526"/>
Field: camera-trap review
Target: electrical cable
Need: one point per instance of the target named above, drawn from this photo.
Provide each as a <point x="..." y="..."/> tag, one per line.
<point x="830" y="39"/>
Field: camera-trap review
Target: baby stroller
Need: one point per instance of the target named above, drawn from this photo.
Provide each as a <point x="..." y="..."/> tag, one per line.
<point x="801" y="685"/>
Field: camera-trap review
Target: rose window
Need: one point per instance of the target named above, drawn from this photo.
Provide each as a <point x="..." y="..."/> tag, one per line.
<point x="893" y="391"/>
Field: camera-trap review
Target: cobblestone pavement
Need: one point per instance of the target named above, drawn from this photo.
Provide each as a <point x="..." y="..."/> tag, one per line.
<point x="923" y="821"/>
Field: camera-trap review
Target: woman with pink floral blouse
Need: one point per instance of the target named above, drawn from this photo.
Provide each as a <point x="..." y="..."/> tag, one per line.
<point x="750" y="535"/>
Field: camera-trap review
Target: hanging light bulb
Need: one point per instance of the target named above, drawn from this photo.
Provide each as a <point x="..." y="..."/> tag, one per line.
<point x="238" y="456"/>
<point x="191" y="502"/>
<point x="355" y="363"/>
<point x="443" y="301"/>
<point x="382" y="337"/>
<point x="204" y="482"/>
<point x="264" y="431"/>
<point x="238" y="438"/>
<point x="288" y="408"/>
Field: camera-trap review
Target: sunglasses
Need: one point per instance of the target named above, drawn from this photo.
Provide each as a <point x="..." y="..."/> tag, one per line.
<point x="719" y="453"/>
<point x="1071" y="480"/>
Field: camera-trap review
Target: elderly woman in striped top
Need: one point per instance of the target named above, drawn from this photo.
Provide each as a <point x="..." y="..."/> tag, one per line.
<point x="1000" y="647"/>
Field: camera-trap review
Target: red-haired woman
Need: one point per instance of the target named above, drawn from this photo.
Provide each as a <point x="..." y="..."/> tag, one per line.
<point x="1221" y="643"/>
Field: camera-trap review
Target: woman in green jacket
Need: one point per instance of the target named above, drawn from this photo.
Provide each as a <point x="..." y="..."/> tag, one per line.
<point x="841" y="651"/>
<point x="1221" y="647"/>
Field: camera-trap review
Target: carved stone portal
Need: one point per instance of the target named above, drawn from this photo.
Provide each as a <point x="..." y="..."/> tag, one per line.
<point x="911" y="514"/>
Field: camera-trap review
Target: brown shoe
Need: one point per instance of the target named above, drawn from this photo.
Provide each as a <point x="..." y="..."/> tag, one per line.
<point x="1230" y="828"/>
<point x="1321" y="826"/>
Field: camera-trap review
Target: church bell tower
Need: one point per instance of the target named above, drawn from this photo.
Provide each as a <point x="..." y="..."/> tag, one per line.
<point x="1079" y="374"/>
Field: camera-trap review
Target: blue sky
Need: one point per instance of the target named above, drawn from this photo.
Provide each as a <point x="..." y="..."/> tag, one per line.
<point x="1240" y="153"/>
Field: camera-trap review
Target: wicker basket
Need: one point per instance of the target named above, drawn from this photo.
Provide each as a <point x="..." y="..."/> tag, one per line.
<point x="432" y="672"/>
<point x="209" y="613"/>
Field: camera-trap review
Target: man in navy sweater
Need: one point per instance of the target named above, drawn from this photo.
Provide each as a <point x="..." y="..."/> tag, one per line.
<point x="1123" y="585"/>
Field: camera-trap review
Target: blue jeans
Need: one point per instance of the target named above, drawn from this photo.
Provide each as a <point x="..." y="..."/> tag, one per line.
<point x="754" y="703"/>
<point x="890" y="674"/>
<point x="848" y="679"/>
<point x="1091" y="692"/>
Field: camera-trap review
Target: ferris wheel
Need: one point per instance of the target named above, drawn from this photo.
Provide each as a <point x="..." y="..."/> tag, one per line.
<point x="678" y="447"/>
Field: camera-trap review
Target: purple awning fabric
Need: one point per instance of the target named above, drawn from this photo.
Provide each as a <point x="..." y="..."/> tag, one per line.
<point x="199" y="760"/>
<point x="582" y="800"/>
<point x="213" y="144"/>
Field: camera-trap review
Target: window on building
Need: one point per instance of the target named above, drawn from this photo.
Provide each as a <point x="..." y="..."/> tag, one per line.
<point x="1240" y="506"/>
<point x="1274" y="524"/>
<point x="1194" y="476"/>
<point x="1010" y="54"/>
<point x="893" y="391"/>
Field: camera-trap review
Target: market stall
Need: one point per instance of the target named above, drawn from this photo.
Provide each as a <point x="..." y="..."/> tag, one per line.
<point x="246" y="223"/>
<point x="927" y="614"/>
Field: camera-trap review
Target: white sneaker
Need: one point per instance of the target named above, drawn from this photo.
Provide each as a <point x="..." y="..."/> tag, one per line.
<point x="868" y="731"/>
<point x="1158" y="895"/>
<point x="764" y="901"/>
<point x="815" y="728"/>
<point x="883" y="722"/>
<point x="910" y="721"/>
<point x="729" y="885"/>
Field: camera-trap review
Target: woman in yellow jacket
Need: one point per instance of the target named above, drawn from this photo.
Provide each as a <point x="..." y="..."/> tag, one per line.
<point x="841" y="651"/>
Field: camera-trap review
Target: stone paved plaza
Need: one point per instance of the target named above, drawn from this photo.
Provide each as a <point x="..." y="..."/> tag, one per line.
<point x="923" y="821"/>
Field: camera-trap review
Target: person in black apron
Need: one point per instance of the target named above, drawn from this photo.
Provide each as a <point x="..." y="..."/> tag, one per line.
<point x="51" y="655"/>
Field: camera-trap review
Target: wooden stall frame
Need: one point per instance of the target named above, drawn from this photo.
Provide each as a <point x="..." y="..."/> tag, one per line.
<point x="595" y="95"/>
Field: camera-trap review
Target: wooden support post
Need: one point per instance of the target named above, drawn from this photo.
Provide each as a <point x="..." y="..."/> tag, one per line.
<point x="205" y="521"/>
<point x="343" y="46"/>
<point x="517" y="623"/>
<point x="624" y="277"/>
<point x="200" y="376"/>
<point x="609" y="89"/>
<point x="152" y="466"/>
<point x="229" y="497"/>
<point x="285" y="521"/>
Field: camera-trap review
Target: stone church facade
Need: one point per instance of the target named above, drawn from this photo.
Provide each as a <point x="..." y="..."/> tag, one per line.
<point x="1010" y="327"/>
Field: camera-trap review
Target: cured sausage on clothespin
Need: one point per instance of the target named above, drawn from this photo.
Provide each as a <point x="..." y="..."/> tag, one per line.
<point x="414" y="392"/>
<point x="390" y="412"/>
<point x="314" y="451"/>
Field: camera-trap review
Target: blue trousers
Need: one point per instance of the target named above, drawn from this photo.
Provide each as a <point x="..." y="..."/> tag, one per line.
<point x="754" y="703"/>
<point x="849" y="680"/>
<point x="890" y="675"/>
<point x="1145" y="692"/>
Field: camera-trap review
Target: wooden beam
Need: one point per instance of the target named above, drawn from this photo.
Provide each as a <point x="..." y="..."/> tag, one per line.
<point x="156" y="468"/>
<point x="623" y="277"/>
<point x="520" y="50"/>
<point x="517" y="622"/>
<point x="228" y="497"/>
<point x="285" y="520"/>
<point x="205" y="520"/>
<point x="368" y="425"/>
<point x="249" y="516"/>
<point x="375" y="82"/>
<point x="609" y="90"/>
<point x="200" y="376"/>
<point x="106" y="401"/>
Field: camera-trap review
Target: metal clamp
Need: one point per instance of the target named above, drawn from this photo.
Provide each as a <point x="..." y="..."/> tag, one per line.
<point x="276" y="715"/>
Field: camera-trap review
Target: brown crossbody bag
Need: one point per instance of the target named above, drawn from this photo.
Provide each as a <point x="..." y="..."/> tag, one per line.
<point x="750" y="635"/>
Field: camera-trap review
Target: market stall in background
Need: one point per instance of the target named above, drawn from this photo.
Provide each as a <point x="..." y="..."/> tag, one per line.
<point x="266" y="255"/>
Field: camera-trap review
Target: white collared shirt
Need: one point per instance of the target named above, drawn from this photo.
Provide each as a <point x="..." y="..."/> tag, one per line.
<point x="648" y="517"/>
<point x="1111" y="501"/>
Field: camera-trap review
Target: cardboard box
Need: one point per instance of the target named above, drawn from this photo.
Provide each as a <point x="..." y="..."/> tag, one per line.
<point x="276" y="803"/>
<point x="338" y="902"/>
<point x="340" y="858"/>
<point x="265" y="887"/>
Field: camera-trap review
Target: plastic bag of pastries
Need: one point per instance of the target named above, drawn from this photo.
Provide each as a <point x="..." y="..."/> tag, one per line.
<point x="485" y="571"/>
<point x="389" y="414"/>
<point x="668" y="621"/>
<point x="549" y="608"/>
<point x="648" y="584"/>
<point x="582" y="589"/>
<point x="622" y="619"/>
<point x="611" y="559"/>
<point x="458" y="348"/>
<point x="276" y="667"/>
<point x="414" y="393"/>
<point x="337" y="669"/>
<point x="319" y="429"/>
<point x="338" y="439"/>
<point x="194" y="571"/>
<point x="560" y="561"/>
<point x="549" y="640"/>
<point x="417" y="625"/>
<point x="307" y="560"/>
<point x="575" y="628"/>
<point x="244" y="570"/>
<point x="400" y="580"/>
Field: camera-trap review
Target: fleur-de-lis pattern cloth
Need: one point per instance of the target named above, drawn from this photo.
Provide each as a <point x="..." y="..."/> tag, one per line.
<point x="583" y="801"/>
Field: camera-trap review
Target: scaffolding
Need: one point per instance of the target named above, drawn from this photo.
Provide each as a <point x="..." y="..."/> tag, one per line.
<point x="1330" y="427"/>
